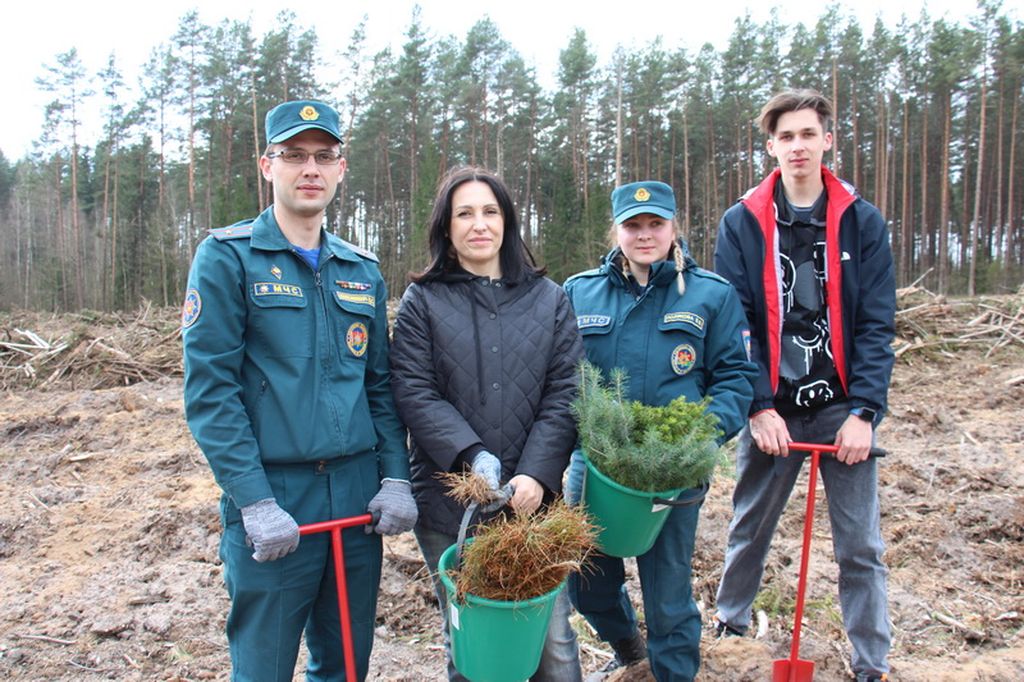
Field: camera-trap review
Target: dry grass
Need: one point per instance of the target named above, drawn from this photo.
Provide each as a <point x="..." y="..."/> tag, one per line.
<point x="466" y="487"/>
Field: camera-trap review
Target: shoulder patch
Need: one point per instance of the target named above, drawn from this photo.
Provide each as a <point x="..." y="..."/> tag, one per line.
<point x="586" y="273"/>
<point x="707" y="274"/>
<point x="365" y="253"/>
<point x="236" y="231"/>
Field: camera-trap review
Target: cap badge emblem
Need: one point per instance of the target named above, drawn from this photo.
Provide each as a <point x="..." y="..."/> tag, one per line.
<point x="642" y="195"/>
<point x="308" y="113"/>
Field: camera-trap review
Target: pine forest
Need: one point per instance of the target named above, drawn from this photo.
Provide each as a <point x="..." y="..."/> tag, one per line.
<point x="928" y="127"/>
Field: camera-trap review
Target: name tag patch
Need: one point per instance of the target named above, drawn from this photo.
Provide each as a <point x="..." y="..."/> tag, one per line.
<point x="365" y="299"/>
<point x="584" y="321"/>
<point x="276" y="289"/>
<point x="690" y="318"/>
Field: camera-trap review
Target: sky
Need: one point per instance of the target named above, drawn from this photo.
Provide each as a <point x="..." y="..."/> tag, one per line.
<point x="538" y="29"/>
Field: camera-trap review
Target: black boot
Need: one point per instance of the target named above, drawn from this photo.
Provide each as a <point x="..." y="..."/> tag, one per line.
<point x="627" y="652"/>
<point x="630" y="650"/>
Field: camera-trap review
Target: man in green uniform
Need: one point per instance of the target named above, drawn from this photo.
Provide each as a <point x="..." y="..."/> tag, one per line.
<point x="287" y="392"/>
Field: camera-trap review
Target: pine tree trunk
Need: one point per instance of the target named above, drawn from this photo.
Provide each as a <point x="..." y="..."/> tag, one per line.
<point x="996" y="252"/>
<point x="944" y="197"/>
<point x="686" y="176"/>
<point x="618" y="128"/>
<point x="927" y="233"/>
<point x="906" y="237"/>
<point x="1012" y="237"/>
<point x="837" y="158"/>
<point x="973" y="250"/>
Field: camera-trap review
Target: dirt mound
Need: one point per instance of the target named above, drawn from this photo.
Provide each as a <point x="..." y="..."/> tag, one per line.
<point x="109" y="530"/>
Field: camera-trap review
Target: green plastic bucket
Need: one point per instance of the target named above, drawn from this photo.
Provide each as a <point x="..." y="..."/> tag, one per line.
<point x="495" y="641"/>
<point x="629" y="520"/>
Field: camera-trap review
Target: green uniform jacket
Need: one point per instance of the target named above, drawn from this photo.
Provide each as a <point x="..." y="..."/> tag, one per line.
<point x="284" y="364"/>
<point x="693" y="345"/>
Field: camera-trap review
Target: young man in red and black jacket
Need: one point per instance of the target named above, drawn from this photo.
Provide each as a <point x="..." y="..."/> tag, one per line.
<point x="812" y="264"/>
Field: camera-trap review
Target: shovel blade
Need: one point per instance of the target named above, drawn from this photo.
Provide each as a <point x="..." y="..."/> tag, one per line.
<point x="798" y="670"/>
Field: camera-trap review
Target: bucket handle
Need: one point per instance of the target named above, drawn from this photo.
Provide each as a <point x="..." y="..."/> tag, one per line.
<point x="504" y="495"/>
<point x="689" y="500"/>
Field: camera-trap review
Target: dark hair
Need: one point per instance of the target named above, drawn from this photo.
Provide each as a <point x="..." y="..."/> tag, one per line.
<point x="794" y="100"/>
<point x="515" y="258"/>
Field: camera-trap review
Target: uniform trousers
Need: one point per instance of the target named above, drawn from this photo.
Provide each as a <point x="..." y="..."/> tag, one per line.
<point x="670" y="612"/>
<point x="274" y="602"/>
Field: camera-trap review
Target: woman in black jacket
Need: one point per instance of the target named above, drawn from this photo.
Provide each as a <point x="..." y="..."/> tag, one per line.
<point x="483" y="371"/>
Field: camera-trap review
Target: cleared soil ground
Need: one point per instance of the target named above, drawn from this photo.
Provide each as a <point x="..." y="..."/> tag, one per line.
<point x="109" y="528"/>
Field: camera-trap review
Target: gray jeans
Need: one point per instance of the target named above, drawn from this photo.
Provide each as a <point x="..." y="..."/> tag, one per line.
<point x="762" y="489"/>
<point x="560" y="660"/>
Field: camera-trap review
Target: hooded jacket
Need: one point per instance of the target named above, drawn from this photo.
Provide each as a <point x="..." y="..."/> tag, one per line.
<point x="859" y="288"/>
<point x="669" y="344"/>
<point x="484" y="364"/>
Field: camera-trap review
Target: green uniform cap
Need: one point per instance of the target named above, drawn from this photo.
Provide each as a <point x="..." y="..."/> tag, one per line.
<point x="643" y="197"/>
<point x="289" y="119"/>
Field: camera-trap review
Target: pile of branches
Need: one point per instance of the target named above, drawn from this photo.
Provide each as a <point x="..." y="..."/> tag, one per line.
<point x="89" y="350"/>
<point x="516" y="557"/>
<point x="925" y="320"/>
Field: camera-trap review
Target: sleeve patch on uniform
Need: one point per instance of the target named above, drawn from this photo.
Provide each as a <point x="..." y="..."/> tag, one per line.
<point x="746" y="342"/>
<point x="584" y="321"/>
<point x="684" y="357"/>
<point x="365" y="299"/>
<point x="356" y="339"/>
<point x="691" y="318"/>
<point x="191" y="308"/>
<point x="276" y="289"/>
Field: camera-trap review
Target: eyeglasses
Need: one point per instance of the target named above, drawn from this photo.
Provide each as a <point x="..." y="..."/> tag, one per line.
<point x="323" y="157"/>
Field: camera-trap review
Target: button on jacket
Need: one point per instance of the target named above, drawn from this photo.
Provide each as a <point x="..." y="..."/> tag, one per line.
<point x="286" y="364"/>
<point x="484" y="364"/>
<point x="670" y="345"/>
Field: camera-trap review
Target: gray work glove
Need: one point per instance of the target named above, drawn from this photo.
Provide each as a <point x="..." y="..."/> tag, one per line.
<point x="269" y="530"/>
<point x="395" y="506"/>
<point x="488" y="467"/>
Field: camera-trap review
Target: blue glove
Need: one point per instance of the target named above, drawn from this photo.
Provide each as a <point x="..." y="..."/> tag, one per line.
<point x="269" y="530"/>
<point x="395" y="506"/>
<point x="488" y="467"/>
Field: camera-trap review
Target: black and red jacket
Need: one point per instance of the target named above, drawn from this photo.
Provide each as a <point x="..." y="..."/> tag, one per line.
<point x="859" y="283"/>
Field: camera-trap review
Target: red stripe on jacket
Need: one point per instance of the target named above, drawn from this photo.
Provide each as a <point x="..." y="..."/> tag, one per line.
<point x="761" y="204"/>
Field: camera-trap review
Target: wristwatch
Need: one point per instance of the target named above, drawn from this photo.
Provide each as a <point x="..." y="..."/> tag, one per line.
<point x="865" y="413"/>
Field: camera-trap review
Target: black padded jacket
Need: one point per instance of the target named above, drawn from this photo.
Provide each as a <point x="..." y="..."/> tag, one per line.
<point x="484" y="364"/>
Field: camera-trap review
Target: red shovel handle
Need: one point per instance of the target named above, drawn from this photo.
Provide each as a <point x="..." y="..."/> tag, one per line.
<point x="796" y="670"/>
<point x="831" y="449"/>
<point x="334" y="528"/>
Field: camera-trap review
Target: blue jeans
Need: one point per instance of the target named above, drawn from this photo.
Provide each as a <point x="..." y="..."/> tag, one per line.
<point x="763" y="486"/>
<point x="673" y="620"/>
<point x="560" y="660"/>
